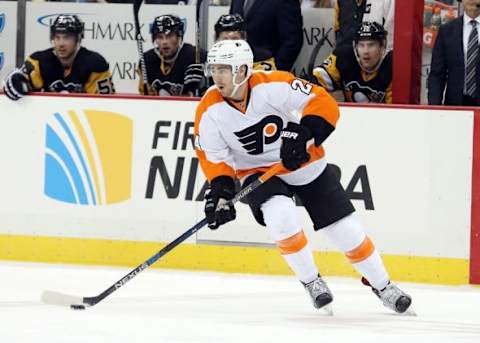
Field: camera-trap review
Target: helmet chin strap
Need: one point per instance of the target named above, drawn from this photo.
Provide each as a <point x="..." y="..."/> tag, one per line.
<point x="237" y="85"/>
<point x="171" y="59"/>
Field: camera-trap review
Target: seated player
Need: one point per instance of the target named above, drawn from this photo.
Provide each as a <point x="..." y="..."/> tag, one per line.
<point x="66" y="67"/>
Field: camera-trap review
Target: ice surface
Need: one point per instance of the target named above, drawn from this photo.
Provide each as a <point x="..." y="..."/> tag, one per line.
<point x="177" y="306"/>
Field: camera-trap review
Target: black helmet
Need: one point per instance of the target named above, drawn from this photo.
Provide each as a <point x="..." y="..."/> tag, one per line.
<point x="229" y="22"/>
<point x="67" y="23"/>
<point x="370" y="31"/>
<point x="167" y="23"/>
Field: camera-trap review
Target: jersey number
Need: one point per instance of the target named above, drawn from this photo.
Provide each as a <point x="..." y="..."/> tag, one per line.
<point x="302" y="86"/>
<point x="105" y="86"/>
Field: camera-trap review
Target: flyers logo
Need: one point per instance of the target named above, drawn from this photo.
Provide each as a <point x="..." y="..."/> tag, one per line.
<point x="266" y="131"/>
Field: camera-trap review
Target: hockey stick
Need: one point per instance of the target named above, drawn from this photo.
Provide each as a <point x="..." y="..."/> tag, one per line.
<point x="313" y="56"/>
<point x="198" y="35"/>
<point x="139" y="39"/>
<point x="197" y="31"/>
<point x="80" y="303"/>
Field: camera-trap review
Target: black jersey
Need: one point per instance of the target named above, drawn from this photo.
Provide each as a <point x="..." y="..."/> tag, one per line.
<point x="166" y="79"/>
<point x="89" y="73"/>
<point x="342" y="71"/>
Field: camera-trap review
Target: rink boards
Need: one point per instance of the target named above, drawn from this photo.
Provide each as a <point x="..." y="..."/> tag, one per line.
<point x="109" y="181"/>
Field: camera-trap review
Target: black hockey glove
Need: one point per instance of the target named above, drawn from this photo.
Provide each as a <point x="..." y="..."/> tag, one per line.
<point x="194" y="78"/>
<point x="16" y="85"/>
<point x="293" y="151"/>
<point x="218" y="208"/>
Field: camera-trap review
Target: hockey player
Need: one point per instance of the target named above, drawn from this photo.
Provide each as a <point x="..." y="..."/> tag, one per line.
<point x="171" y="67"/>
<point x="65" y="67"/>
<point x="232" y="26"/>
<point x="369" y="79"/>
<point x="249" y="121"/>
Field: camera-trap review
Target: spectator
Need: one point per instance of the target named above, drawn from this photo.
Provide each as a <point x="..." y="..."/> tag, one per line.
<point x="274" y="27"/>
<point x="383" y="12"/>
<point x="65" y="67"/>
<point x="455" y="61"/>
<point x="349" y="14"/>
<point x="363" y="72"/>
<point x="170" y="65"/>
<point x="232" y="26"/>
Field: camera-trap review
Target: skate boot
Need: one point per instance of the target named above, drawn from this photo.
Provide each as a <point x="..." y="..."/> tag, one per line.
<point x="392" y="297"/>
<point x="319" y="292"/>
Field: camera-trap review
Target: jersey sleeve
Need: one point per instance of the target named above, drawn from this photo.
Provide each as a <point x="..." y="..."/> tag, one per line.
<point x="265" y="65"/>
<point x="319" y="110"/>
<point x="31" y="68"/>
<point x="388" y="96"/>
<point x="327" y="74"/>
<point x="141" y="85"/>
<point x="100" y="78"/>
<point x="211" y="148"/>
<point x="308" y="99"/>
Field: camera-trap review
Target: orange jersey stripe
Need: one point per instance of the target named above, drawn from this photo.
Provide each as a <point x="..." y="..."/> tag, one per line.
<point x="210" y="169"/>
<point x="323" y="105"/>
<point x="213" y="170"/>
<point x="210" y="98"/>
<point x="258" y="78"/>
<point x="362" y="252"/>
<point x="316" y="153"/>
<point x="292" y="244"/>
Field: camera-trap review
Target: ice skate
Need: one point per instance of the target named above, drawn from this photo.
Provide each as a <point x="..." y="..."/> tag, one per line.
<point x="320" y="294"/>
<point x="393" y="297"/>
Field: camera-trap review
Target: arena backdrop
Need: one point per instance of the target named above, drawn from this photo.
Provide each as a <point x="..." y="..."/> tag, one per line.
<point x="8" y="34"/>
<point x="109" y="30"/>
<point x="109" y="179"/>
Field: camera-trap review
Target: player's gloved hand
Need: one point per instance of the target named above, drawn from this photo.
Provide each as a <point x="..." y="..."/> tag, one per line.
<point x="194" y="78"/>
<point x="218" y="208"/>
<point x="293" y="151"/>
<point x="16" y="85"/>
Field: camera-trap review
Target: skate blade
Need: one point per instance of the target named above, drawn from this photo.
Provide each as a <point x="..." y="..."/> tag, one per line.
<point x="409" y="313"/>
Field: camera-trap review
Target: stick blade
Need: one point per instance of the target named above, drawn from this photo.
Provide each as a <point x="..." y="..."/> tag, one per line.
<point x="61" y="299"/>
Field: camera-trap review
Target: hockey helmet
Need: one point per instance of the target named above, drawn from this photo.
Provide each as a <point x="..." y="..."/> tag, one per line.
<point x="67" y="23"/>
<point x="229" y="22"/>
<point x="167" y="23"/>
<point x="370" y="30"/>
<point x="235" y="53"/>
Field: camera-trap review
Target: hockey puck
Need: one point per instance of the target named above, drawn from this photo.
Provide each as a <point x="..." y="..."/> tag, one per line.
<point x="77" y="307"/>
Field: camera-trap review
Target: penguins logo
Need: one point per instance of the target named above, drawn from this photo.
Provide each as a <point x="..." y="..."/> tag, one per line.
<point x="364" y="94"/>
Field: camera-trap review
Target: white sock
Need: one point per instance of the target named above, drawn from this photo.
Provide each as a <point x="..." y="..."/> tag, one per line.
<point x="349" y="236"/>
<point x="302" y="264"/>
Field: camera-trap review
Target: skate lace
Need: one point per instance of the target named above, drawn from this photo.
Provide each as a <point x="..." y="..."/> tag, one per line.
<point x="317" y="287"/>
<point x="390" y="295"/>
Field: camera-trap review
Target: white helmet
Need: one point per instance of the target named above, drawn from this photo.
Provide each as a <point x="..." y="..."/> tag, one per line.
<point x="234" y="53"/>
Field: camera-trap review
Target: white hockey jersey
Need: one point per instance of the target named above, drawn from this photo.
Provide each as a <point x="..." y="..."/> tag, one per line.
<point x="238" y="142"/>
